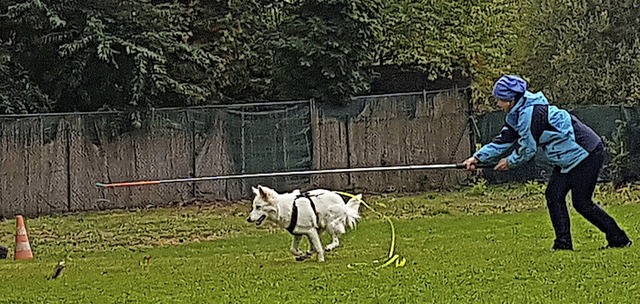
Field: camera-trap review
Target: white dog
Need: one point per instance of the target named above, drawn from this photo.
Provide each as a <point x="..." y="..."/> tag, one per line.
<point x="309" y="213"/>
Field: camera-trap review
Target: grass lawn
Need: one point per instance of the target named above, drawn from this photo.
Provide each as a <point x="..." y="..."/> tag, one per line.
<point x="481" y="245"/>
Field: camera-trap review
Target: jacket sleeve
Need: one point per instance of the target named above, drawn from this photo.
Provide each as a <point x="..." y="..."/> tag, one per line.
<point x="527" y="146"/>
<point x="500" y="144"/>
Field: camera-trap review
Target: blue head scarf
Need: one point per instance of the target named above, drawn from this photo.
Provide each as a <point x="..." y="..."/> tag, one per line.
<point x="509" y="87"/>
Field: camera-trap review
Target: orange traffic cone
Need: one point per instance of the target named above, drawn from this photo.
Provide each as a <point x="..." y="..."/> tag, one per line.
<point x="23" y="249"/>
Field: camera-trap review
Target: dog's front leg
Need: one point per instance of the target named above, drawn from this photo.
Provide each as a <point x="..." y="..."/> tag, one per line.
<point x="295" y="245"/>
<point x="314" y="238"/>
<point x="309" y="253"/>
<point x="312" y="249"/>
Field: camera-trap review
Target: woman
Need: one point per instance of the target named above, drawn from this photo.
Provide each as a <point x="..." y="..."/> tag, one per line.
<point x="574" y="149"/>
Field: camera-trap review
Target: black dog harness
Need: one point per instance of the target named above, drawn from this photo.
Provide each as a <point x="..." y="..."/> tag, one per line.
<point x="294" y="212"/>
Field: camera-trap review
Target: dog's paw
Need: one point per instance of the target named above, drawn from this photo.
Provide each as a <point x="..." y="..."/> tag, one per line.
<point x="302" y="257"/>
<point x="330" y="247"/>
<point x="297" y="253"/>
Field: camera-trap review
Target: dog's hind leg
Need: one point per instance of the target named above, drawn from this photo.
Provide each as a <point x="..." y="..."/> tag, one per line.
<point x="336" y="230"/>
<point x="335" y="242"/>
<point x="314" y="238"/>
<point x="295" y="245"/>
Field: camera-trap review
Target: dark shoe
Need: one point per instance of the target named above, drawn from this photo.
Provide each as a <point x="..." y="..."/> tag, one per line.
<point x="559" y="247"/>
<point x="562" y="245"/>
<point x="621" y="245"/>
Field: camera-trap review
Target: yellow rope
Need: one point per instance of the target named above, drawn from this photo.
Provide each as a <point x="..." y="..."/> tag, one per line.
<point x="399" y="262"/>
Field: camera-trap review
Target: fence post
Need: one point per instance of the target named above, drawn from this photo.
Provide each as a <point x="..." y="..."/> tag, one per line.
<point x="193" y="152"/>
<point x="68" y="158"/>
<point x="313" y="119"/>
<point x="470" y="121"/>
<point x="347" y="131"/>
<point x="242" y="147"/>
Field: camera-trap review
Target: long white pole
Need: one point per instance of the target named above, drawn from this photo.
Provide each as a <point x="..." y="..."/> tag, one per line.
<point x="291" y="173"/>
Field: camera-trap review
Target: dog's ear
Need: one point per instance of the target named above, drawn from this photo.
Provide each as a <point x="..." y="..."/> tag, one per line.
<point x="267" y="194"/>
<point x="255" y="191"/>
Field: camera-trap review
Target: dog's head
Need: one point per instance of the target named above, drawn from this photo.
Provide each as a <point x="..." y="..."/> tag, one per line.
<point x="264" y="205"/>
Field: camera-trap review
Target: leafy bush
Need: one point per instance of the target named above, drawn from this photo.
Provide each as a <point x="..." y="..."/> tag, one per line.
<point x="323" y="47"/>
<point x="582" y="52"/>
<point x="618" y="167"/>
<point x="471" y="37"/>
<point x="132" y="55"/>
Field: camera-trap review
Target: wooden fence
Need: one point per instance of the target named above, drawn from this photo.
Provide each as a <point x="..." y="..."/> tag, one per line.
<point x="50" y="163"/>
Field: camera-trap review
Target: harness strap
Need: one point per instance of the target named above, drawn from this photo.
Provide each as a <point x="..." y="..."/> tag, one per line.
<point x="294" y="218"/>
<point x="294" y="211"/>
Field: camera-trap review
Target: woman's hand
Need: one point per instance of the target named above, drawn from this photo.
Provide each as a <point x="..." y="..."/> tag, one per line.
<point x="502" y="165"/>
<point x="470" y="163"/>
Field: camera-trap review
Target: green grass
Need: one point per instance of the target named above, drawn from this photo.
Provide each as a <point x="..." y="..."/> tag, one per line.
<point x="482" y="245"/>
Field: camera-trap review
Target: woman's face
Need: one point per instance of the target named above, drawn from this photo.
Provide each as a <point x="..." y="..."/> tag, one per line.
<point x="505" y="105"/>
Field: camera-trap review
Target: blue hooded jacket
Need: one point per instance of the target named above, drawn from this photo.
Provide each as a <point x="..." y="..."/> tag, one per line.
<point x="533" y="123"/>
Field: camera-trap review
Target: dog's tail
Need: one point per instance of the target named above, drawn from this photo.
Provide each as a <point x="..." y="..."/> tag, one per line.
<point x="352" y="216"/>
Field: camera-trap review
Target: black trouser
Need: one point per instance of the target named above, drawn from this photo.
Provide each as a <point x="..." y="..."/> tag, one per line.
<point x="581" y="181"/>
